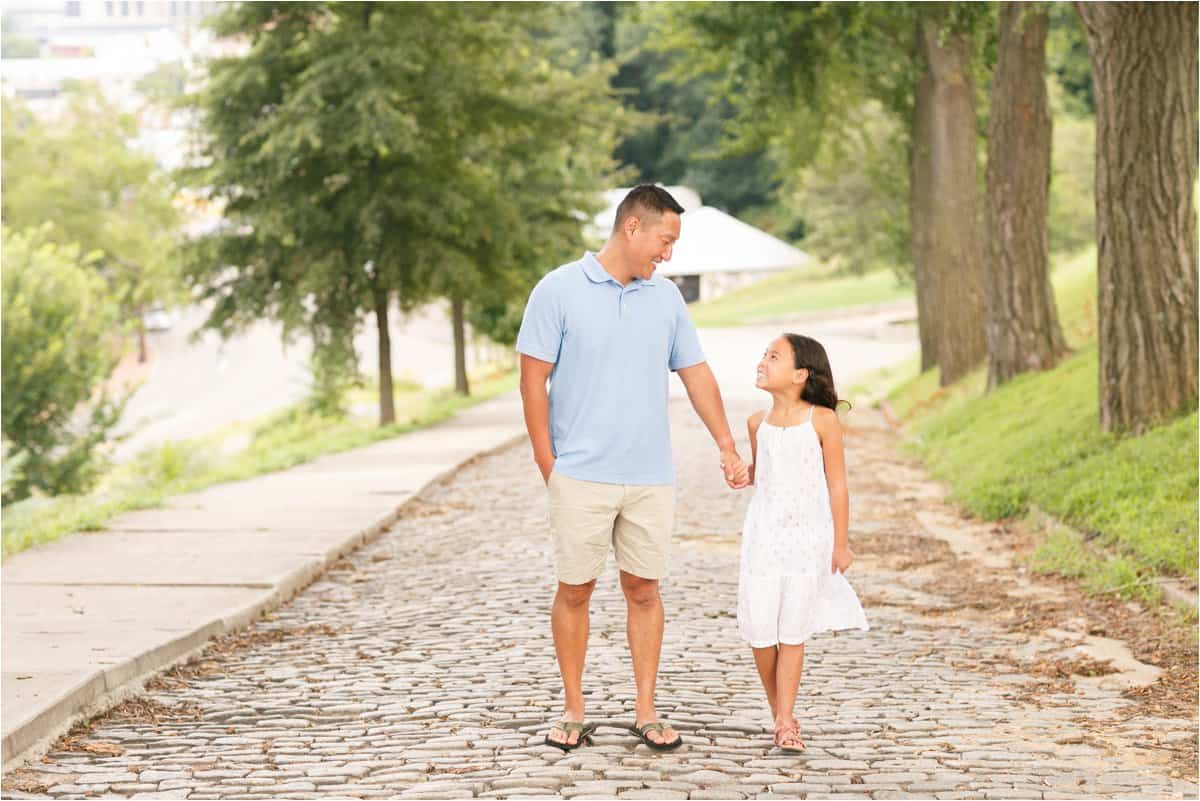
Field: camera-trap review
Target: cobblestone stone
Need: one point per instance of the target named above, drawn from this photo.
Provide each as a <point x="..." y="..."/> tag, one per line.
<point x="717" y="794"/>
<point x="440" y="678"/>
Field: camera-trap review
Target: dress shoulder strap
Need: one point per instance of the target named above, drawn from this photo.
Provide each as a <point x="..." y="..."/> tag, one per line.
<point x="812" y="408"/>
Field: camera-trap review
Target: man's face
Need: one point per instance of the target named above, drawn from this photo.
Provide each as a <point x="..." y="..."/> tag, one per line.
<point x="652" y="241"/>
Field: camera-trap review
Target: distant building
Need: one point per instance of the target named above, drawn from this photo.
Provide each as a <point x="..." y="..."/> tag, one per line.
<point x="716" y="252"/>
<point x="39" y="81"/>
<point x="48" y="20"/>
<point x="113" y="43"/>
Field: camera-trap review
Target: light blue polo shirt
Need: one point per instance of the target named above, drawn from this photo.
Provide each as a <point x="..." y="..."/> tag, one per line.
<point x="613" y="349"/>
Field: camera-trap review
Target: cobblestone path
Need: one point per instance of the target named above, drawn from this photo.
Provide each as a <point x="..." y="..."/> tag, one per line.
<point x="422" y="666"/>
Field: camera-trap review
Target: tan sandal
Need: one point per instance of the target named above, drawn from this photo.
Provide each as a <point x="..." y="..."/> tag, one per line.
<point x="788" y="739"/>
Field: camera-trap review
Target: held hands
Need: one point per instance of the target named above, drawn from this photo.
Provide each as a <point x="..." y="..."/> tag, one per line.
<point x="843" y="557"/>
<point x="737" y="474"/>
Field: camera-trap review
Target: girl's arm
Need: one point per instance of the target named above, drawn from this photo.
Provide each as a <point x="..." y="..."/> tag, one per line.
<point x="752" y="425"/>
<point x="829" y="429"/>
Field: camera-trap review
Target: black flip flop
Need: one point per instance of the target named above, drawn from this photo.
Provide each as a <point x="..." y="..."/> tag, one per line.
<point x="585" y="730"/>
<point x="659" y="727"/>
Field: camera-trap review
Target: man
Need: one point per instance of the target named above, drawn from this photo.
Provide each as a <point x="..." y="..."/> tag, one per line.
<point x="607" y="333"/>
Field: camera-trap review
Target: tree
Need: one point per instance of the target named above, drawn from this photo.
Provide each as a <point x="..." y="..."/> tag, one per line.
<point x="943" y="208"/>
<point x="853" y="198"/>
<point x="680" y="139"/>
<point x="1067" y="58"/>
<point x="13" y="44"/>
<point x="363" y="164"/>
<point x="59" y="325"/>
<point x="798" y="70"/>
<point x="1072" y="210"/>
<point x="779" y="71"/>
<point x="531" y="209"/>
<point x="1144" y="65"/>
<point x="79" y="173"/>
<point x="1022" y="322"/>
<point x="165" y="86"/>
<point x="686" y="146"/>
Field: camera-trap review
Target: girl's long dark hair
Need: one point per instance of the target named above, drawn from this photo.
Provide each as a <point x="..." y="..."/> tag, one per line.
<point x="810" y="355"/>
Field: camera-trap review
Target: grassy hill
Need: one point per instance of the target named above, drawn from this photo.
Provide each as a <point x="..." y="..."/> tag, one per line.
<point x="797" y="292"/>
<point x="1036" y="441"/>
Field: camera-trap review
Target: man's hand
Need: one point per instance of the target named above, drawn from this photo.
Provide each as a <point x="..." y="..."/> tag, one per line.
<point x="546" y="465"/>
<point x="737" y="474"/>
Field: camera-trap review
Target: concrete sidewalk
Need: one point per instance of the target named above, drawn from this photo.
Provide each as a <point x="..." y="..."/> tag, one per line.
<point x="87" y="618"/>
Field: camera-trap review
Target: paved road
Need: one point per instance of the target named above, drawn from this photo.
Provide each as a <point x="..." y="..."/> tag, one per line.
<point x="422" y="666"/>
<point x="194" y="388"/>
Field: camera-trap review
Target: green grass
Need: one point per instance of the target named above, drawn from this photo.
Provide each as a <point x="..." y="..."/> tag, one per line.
<point x="276" y="442"/>
<point x="1075" y="297"/>
<point x="798" y="291"/>
<point x="1065" y="552"/>
<point x="880" y="384"/>
<point x="914" y="394"/>
<point x="1036" y="441"/>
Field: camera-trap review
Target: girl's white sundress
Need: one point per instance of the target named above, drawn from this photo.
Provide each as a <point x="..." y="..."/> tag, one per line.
<point x="787" y="590"/>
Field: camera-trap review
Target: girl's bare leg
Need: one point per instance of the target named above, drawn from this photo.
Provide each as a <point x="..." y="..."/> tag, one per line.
<point x="788" y="668"/>
<point x="765" y="660"/>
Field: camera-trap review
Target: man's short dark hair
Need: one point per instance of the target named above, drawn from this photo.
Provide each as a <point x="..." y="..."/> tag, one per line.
<point x="647" y="199"/>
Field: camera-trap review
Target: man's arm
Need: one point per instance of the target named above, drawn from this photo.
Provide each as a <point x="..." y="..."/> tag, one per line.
<point x="705" y="396"/>
<point x="534" y="375"/>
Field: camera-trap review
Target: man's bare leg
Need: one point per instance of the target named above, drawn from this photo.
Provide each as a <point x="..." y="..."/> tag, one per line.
<point x="644" y="628"/>
<point x="569" y="621"/>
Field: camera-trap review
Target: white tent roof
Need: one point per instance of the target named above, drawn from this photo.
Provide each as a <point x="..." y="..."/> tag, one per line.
<point x="602" y="223"/>
<point x="684" y="195"/>
<point x="712" y="241"/>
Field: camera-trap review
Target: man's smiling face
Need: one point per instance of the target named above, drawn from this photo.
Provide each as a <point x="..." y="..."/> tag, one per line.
<point x="653" y="241"/>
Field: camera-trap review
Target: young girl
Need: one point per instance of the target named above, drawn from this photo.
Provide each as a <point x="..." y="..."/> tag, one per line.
<point x="794" y="540"/>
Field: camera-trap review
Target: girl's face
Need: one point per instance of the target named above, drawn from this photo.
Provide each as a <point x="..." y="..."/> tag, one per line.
<point x="777" y="368"/>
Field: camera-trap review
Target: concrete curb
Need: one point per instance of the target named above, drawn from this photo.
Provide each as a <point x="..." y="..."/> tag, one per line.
<point x="902" y="311"/>
<point x="103" y="690"/>
<point x="1187" y="601"/>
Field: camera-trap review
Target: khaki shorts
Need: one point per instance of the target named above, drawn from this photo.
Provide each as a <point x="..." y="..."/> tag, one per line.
<point x="588" y="517"/>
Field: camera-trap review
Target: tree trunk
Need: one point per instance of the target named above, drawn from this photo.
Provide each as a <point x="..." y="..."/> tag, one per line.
<point x="1022" y="329"/>
<point x="920" y="197"/>
<point x="952" y="265"/>
<point x="460" y="348"/>
<point x="143" y="350"/>
<point x="387" y="403"/>
<point x="1144" y="71"/>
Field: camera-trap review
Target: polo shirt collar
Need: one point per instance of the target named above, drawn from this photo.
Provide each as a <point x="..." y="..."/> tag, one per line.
<point x="596" y="273"/>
